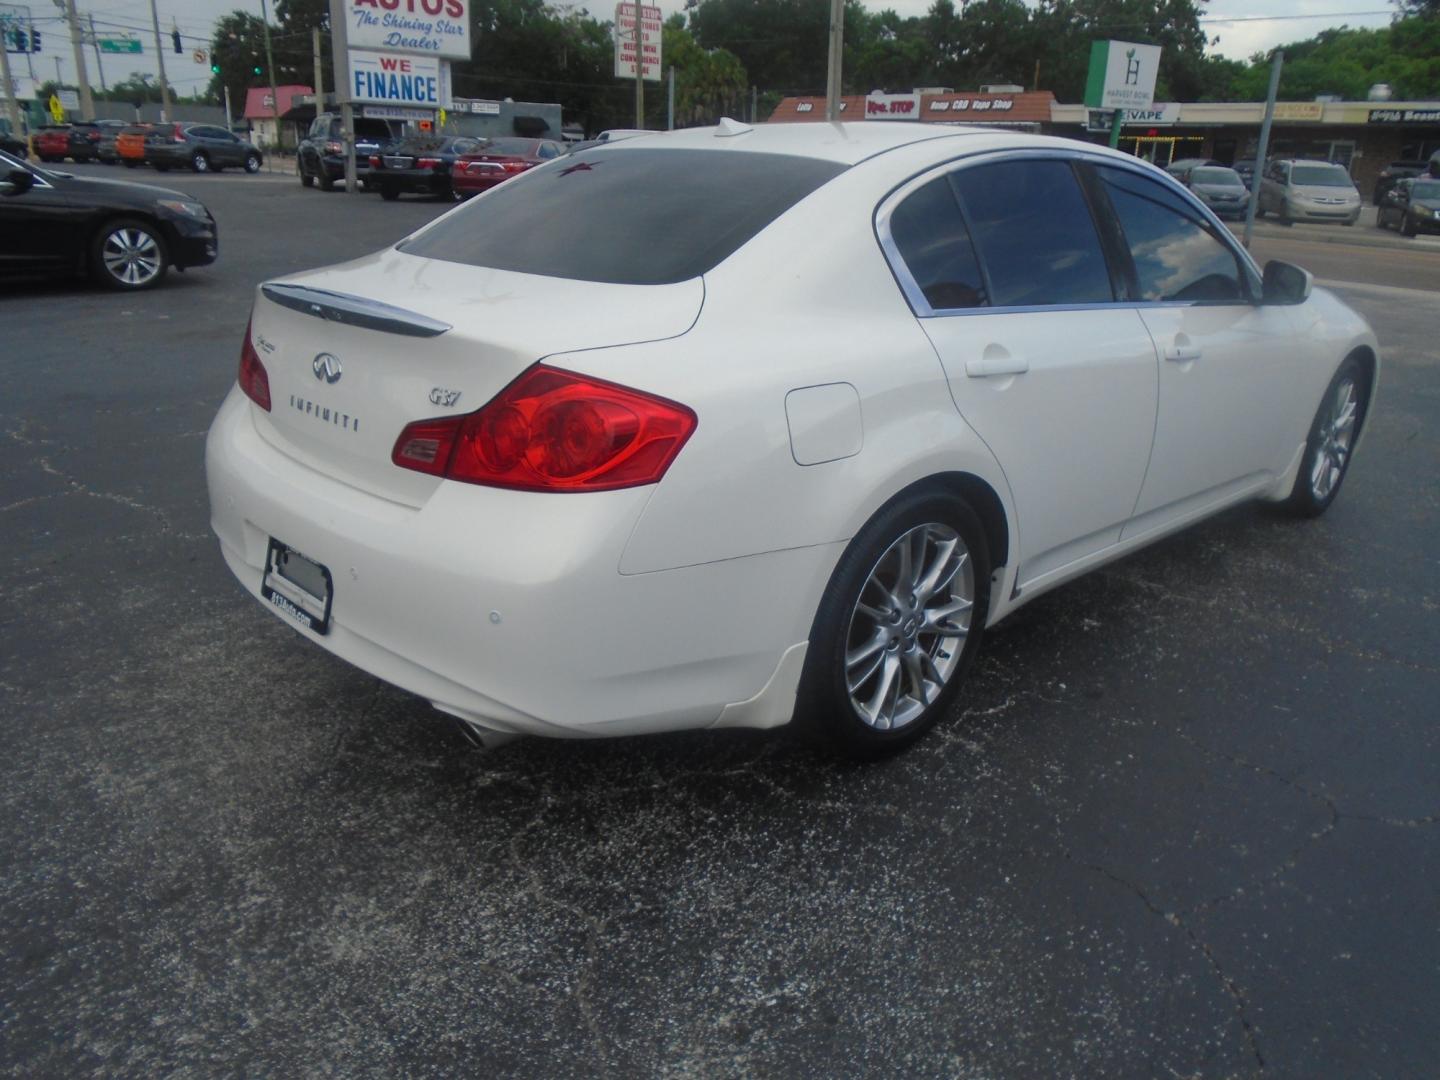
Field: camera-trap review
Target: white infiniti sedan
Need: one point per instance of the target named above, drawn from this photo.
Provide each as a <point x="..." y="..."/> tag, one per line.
<point x="735" y="426"/>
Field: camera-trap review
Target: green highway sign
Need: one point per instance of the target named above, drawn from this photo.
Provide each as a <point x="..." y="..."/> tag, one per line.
<point x="120" y="45"/>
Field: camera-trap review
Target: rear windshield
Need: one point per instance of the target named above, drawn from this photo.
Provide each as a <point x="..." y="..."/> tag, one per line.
<point x="625" y="216"/>
<point x="1218" y="177"/>
<point x="514" y="147"/>
<point x="1320" y="176"/>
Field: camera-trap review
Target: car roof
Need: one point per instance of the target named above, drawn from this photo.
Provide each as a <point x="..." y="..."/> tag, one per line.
<point x="843" y="143"/>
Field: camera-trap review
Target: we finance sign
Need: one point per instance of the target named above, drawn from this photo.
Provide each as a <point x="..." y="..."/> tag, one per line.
<point x="428" y="27"/>
<point x="391" y="79"/>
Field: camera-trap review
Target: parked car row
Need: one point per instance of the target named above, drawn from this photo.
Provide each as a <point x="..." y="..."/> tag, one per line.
<point x="1411" y="205"/>
<point x="199" y="147"/>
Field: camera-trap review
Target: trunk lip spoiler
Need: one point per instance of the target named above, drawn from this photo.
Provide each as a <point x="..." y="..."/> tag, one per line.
<point x="353" y="310"/>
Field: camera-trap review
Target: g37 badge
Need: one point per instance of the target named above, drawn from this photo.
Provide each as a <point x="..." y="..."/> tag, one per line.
<point x="440" y="396"/>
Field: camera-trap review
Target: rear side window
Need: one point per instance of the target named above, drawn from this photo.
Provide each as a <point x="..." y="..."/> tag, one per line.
<point x="1176" y="255"/>
<point x="1034" y="232"/>
<point x="625" y="216"/>
<point x="931" y="237"/>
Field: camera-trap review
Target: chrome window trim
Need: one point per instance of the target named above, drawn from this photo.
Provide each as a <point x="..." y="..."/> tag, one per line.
<point x="35" y="171"/>
<point x="921" y="306"/>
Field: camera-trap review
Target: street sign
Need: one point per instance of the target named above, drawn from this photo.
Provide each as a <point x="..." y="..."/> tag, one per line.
<point x="649" y="42"/>
<point x="121" y="45"/>
<point x="200" y="56"/>
<point x="57" y="111"/>
<point x="1122" y="75"/>
<point x="392" y="79"/>
<point x="70" y="99"/>
<point x="428" y="27"/>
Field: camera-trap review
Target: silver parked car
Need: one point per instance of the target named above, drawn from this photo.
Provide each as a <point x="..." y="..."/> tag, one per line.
<point x="1308" y="191"/>
<point x="1219" y="188"/>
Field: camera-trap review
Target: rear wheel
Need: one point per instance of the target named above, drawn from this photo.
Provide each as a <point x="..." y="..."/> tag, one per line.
<point x="128" y="254"/>
<point x="326" y="184"/>
<point x="389" y="194"/>
<point x="1407" y="225"/>
<point x="306" y="180"/>
<point x="1332" y="438"/>
<point x="200" y="162"/>
<point x="898" y="627"/>
<point x="128" y="163"/>
<point x="252" y="163"/>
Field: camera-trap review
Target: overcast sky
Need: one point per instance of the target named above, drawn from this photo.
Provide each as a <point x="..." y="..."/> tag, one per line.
<point x="1243" y="27"/>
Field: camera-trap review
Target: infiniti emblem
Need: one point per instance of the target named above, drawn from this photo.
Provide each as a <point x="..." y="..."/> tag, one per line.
<point x="326" y="367"/>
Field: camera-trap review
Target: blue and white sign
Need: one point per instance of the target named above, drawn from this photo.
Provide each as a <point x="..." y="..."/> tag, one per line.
<point x="395" y="79"/>
<point x="428" y="27"/>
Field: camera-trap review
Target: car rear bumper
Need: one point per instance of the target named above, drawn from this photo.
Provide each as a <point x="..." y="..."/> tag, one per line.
<point x="508" y="609"/>
<point x="471" y="183"/>
<point x="412" y="181"/>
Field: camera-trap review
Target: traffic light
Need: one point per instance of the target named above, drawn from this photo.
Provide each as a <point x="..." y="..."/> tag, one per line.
<point x="257" y="69"/>
<point x="214" y="69"/>
<point x="175" y="37"/>
<point x="34" y="40"/>
<point x="16" y="41"/>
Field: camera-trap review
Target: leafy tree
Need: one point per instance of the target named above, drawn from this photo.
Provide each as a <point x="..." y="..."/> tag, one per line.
<point x="709" y="83"/>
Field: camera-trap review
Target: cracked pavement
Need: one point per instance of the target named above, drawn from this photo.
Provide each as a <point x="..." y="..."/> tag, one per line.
<point x="1182" y="824"/>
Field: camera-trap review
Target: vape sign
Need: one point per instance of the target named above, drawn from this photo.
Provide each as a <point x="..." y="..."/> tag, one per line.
<point x="892" y="107"/>
<point x="1122" y="75"/>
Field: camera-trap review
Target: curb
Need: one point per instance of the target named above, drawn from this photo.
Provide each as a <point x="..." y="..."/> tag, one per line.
<point x="1355" y="236"/>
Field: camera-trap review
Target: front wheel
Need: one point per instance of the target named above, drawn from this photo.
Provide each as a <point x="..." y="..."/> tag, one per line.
<point x="898" y="626"/>
<point x="129" y="255"/>
<point x="1332" y="438"/>
<point x="252" y="163"/>
<point x="306" y="180"/>
<point x="199" y="162"/>
<point x="1407" y="226"/>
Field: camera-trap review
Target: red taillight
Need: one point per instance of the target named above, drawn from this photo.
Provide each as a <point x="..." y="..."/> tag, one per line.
<point x="176" y="135"/>
<point x="333" y="147"/>
<point x="375" y="161"/>
<point x="515" y="166"/>
<point x="253" y="378"/>
<point x="552" y="430"/>
<point x="428" y="163"/>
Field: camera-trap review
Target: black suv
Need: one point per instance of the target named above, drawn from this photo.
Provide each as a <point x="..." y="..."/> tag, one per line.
<point x="1393" y="174"/>
<point x="321" y="154"/>
<point x="202" y="147"/>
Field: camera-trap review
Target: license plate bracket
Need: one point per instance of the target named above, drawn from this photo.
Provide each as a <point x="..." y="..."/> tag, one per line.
<point x="297" y="586"/>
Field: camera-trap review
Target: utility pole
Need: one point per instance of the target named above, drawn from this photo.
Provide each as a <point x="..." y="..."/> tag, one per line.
<point x="229" y="122"/>
<point x="99" y="64"/>
<point x="670" y="114"/>
<point x="77" y="45"/>
<point x="12" y="107"/>
<point x="270" y="70"/>
<point x="832" y="67"/>
<point x="340" y="58"/>
<point x="319" y="72"/>
<point x="639" y="65"/>
<point x="754" y="104"/>
<point x="159" y="59"/>
<point x="1264" y="147"/>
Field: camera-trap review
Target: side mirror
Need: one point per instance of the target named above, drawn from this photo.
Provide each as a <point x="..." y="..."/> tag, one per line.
<point x="1285" y="283"/>
<point x="16" y="182"/>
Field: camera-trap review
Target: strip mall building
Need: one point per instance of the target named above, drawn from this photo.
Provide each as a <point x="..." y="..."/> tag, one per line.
<point x="1364" y="136"/>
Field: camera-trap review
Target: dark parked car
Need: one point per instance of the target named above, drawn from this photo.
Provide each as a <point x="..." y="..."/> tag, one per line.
<point x="1219" y="188"/>
<point x="125" y="235"/>
<point x="497" y="161"/>
<point x="1412" y="206"/>
<point x="1393" y="174"/>
<point x="419" y="165"/>
<point x="12" y="142"/>
<point x="321" y="154"/>
<point x="132" y="145"/>
<point x="105" y="147"/>
<point x="1246" y="168"/>
<point x="1181" y="168"/>
<point x="202" y="147"/>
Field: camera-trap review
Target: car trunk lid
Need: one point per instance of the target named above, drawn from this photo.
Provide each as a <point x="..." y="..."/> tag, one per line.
<point x="354" y="353"/>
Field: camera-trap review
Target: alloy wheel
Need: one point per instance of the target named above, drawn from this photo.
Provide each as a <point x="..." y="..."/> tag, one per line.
<point x="1336" y="435"/>
<point x="131" y="256"/>
<point x="908" y="626"/>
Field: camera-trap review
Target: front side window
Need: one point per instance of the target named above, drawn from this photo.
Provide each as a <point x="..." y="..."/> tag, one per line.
<point x="1034" y="233"/>
<point x="1176" y="256"/>
<point x="931" y="238"/>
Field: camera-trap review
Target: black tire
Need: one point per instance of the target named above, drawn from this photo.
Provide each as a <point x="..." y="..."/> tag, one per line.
<point x="200" y="161"/>
<point x="1315" y="488"/>
<point x="825" y="708"/>
<point x="1407" y="225"/>
<point x="252" y="163"/>
<point x="112" y="240"/>
<point x="161" y="168"/>
<point x="389" y="194"/>
<point x="129" y="164"/>
<point x="306" y="180"/>
<point x="326" y="184"/>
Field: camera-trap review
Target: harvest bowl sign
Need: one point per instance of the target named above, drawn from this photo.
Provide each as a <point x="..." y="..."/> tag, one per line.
<point x="433" y="27"/>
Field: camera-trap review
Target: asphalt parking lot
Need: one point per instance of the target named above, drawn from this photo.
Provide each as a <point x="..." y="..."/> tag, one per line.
<point x="1183" y="823"/>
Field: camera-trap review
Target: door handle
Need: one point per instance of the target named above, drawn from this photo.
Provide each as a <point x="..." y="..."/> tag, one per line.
<point x="1181" y="354"/>
<point x="985" y="366"/>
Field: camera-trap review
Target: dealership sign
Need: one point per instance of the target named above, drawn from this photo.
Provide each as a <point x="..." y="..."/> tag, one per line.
<point x="1122" y="75"/>
<point x="427" y="27"/>
<point x="393" y="79"/>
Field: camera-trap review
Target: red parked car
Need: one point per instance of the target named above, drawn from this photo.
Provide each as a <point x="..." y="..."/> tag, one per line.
<point x="498" y="160"/>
